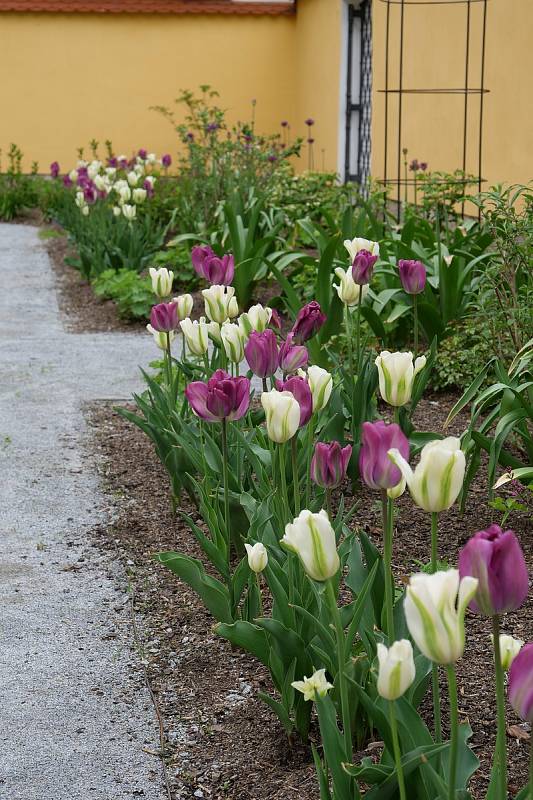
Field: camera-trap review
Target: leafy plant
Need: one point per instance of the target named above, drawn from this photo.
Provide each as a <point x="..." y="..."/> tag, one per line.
<point x="132" y="292"/>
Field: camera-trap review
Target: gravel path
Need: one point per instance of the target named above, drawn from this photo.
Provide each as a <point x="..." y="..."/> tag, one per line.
<point x="75" y="714"/>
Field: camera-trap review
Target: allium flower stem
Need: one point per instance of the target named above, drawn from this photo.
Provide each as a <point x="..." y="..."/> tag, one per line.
<point x="501" y="748"/>
<point x="434" y="667"/>
<point x="387" y="512"/>
<point x="343" y="688"/>
<point x="295" y="478"/>
<point x="454" y="728"/>
<point x="397" y="751"/>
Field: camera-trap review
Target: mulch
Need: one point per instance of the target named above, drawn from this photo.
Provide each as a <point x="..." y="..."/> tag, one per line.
<point x="221" y="740"/>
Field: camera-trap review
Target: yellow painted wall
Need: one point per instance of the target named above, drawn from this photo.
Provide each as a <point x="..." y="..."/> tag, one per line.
<point x="434" y="55"/>
<point x="67" y="78"/>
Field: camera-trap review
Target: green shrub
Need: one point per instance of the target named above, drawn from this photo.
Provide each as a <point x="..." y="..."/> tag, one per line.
<point x="132" y="292"/>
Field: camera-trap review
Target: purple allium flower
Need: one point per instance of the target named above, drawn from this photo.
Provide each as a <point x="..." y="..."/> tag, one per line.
<point x="123" y="163"/>
<point x="423" y="166"/>
<point x="292" y="356"/>
<point x="112" y="162"/>
<point x="222" y="397"/>
<point x="261" y="353"/>
<point x="310" y="141"/>
<point x="362" y="267"/>
<point x="301" y="391"/>
<point x="284" y="123"/>
<point x="213" y="126"/>
<point x="496" y="559"/>
<point x="329" y="464"/>
<point x="412" y="275"/>
<point x="166" y="160"/>
<point x="376" y="468"/>
<point x="54" y="169"/>
<point x="309" y="121"/>
<point x="143" y="153"/>
<point x="309" y="320"/>
<point x="164" y="317"/>
<point x="521" y="683"/>
<point x="414" y="165"/>
<point x="190" y="136"/>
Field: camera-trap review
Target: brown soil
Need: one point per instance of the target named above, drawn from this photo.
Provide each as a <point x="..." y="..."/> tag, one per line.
<point x="221" y="741"/>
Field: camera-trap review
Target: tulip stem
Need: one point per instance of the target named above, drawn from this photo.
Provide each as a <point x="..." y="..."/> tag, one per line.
<point x="309" y="449"/>
<point x="348" y="324"/>
<point x="531" y="771"/>
<point x="358" y="328"/>
<point x="501" y="745"/>
<point x="295" y="478"/>
<point x="226" y="493"/>
<point x="343" y="688"/>
<point x="387" y="511"/>
<point x="415" y="324"/>
<point x="258" y="582"/>
<point x="283" y="479"/>
<point x="454" y="729"/>
<point x="397" y="751"/>
<point x="329" y="508"/>
<point x="434" y="667"/>
<point x="434" y="541"/>
<point x="168" y="359"/>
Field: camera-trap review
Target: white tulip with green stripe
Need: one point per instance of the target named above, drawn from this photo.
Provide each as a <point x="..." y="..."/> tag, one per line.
<point x="233" y="341"/>
<point x="396" y="669"/>
<point x="196" y="335"/>
<point x="312" y="538"/>
<point x="435" y="607"/>
<point x="282" y="413"/>
<point x="255" y="319"/>
<point x="396" y="376"/>
<point x="220" y="303"/>
<point x="438" y="479"/>
<point x="321" y="383"/>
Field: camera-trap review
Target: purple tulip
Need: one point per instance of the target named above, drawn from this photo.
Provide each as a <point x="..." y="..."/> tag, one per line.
<point x="219" y="271"/>
<point x="67" y="181"/>
<point x="149" y="188"/>
<point x="54" y="169"/>
<point x="363" y="266"/>
<point x="112" y="161"/>
<point x="123" y="163"/>
<point x="166" y="160"/>
<point x="222" y="397"/>
<point x="412" y="275"/>
<point x="496" y="559"/>
<point x="89" y="193"/>
<point x="164" y="317"/>
<point x="292" y="356"/>
<point x="275" y="320"/>
<point x="199" y="254"/>
<point x="521" y="683"/>
<point x="329" y="464"/>
<point x="309" y="320"/>
<point x="143" y="153"/>
<point x="300" y="390"/>
<point x="376" y="468"/>
<point x="261" y="351"/>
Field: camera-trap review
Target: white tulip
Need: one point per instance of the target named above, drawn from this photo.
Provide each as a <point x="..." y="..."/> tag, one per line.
<point x="255" y="319"/>
<point x="124" y="193"/>
<point x="101" y="183"/>
<point x="396" y="376"/>
<point x="160" y="337"/>
<point x="80" y="199"/>
<point x="348" y="290"/>
<point x="213" y="329"/>
<point x="257" y="556"/>
<point x="93" y="169"/>
<point x="233" y="341"/>
<point x="151" y="158"/>
<point x="162" y="279"/>
<point x="82" y="163"/>
<point x="150" y="179"/>
<point x="85" y="211"/>
<point x="111" y="171"/>
<point x="438" y="479"/>
<point x="282" y="412"/>
<point x="73" y="175"/>
<point x="132" y="178"/>
<point x="220" y="303"/>
<point x="312" y="538"/>
<point x="313" y="686"/>
<point x="196" y="335"/>
<point x="321" y="383"/>
<point x="117" y="211"/>
<point x="509" y="649"/>
<point x="434" y="608"/>
<point x="129" y="212"/>
<point x="139" y="195"/>
<point x="185" y="305"/>
<point x="397" y="490"/>
<point x="353" y="246"/>
<point x="396" y="669"/>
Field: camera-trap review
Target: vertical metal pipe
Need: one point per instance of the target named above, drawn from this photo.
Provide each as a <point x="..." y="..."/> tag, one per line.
<point x="465" y="119"/>
<point x="350" y="11"/>
<point x="385" y="172"/>
<point x="400" y="103"/>
<point x="481" y="98"/>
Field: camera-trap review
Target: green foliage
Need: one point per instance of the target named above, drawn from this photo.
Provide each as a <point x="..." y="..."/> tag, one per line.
<point x="132" y="292"/>
<point x="17" y="191"/>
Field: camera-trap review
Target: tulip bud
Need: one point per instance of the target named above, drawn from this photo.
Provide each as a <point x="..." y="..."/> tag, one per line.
<point x="222" y="397"/>
<point x="412" y="276"/>
<point x="299" y="388"/>
<point x="329" y="464"/>
<point x="434" y="608"/>
<point x="161" y="281"/>
<point x="164" y="317"/>
<point x="130" y="212"/>
<point x="496" y="559"/>
<point x="160" y="338"/>
<point x="233" y="342"/>
<point x="521" y="683"/>
<point x="308" y="321"/>
<point x="185" y="305"/>
<point x="196" y="335"/>
<point x="438" y="479"/>
<point x="292" y="356"/>
<point x="354" y="246"/>
<point x="321" y="384"/>
<point x="363" y="266"/>
<point x="219" y="303"/>
<point x="257" y="556"/>
<point x="313" y="686"/>
<point x="261" y="351"/>
<point x="396" y="669"/>
<point x="348" y="290"/>
<point x="312" y="538"/>
<point x="396" y="376"/>
<point x="376" y="468"/>
<point x="282" y="413"/>
<point x="509" y="649"/>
